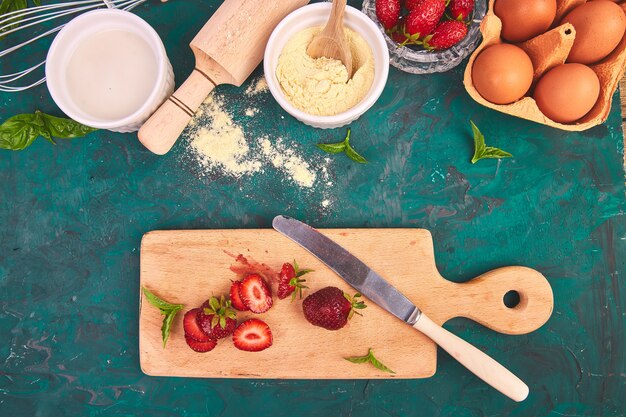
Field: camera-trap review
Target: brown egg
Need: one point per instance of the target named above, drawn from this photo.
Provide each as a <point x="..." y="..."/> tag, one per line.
<point x="567" y="92"/>
<point x="524" y="19"/>
<point x="502" y="73"/>
<point x="599" y="28"/>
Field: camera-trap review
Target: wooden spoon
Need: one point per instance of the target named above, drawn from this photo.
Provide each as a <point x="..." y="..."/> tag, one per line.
<point x="331" y="42"/>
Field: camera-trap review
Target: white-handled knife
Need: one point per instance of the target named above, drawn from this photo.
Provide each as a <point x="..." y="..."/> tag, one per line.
<point x="378" y="290"/>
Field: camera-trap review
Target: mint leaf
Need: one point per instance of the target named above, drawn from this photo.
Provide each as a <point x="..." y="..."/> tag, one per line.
<point x="343" y="146"/>
<point x="352" y="154"/>
<point x="371" y="359"/>
<point x="167" y="309"/>
<point x="481" y="150"/>
<point x="332" y="147"/>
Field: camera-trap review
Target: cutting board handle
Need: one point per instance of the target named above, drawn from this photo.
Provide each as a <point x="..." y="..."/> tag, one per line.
<point x="482" y="299"/>
<point x="163" y="128"/>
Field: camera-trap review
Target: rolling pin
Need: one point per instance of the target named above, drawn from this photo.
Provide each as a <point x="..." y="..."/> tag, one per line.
<point x="227" y="49"/>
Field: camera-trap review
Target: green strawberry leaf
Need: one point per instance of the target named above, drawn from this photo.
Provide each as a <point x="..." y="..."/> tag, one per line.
<point x="481" y="150"/>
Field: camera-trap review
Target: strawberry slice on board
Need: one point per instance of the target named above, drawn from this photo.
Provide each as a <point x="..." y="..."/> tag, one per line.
<point x="253" y="335"/>
<point x="235" y="296"/>
<point x="290" y="281"/>
<point x="256" y="294"/>
<point x="192" y="328"/>
<point x="200" y="346"/>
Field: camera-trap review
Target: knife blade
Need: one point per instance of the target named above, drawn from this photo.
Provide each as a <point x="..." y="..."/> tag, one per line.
<point x="351" y="269"/>
<point x="356" y="273"/>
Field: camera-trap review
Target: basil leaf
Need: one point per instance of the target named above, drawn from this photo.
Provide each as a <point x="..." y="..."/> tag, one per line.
<point x="481" y="150"/>
<point x="332" y="147"/>
<point x="371" y="359"/>
<point x="343" y="146"/>
<point x="20" y="131"/>
<point x="8" y="6"/>
<point x="62" y="128"/>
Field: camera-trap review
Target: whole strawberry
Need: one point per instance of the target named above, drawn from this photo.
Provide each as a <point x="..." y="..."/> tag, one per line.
<point x="411" y="4"/>
<point x="423" y="19"/>
<point x="330" y="308"/>
<point x="461" y="9"/>
<point x="216" y="318"/>
<point x="388" y="12"/>
<point x="289" y="282"/>
<point x="446" y="35"/>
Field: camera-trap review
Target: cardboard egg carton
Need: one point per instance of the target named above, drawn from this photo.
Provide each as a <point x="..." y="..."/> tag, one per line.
<point x="547" y="51"/>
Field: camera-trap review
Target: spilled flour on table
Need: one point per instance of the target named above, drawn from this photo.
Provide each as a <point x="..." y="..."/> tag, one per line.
<point x="221" y="147"/>
<point x="288" y="161"/>
<point x="222" y="144"/>
<point x="256" y="87"/>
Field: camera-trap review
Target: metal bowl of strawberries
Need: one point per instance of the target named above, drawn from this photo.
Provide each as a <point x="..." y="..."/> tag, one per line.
<point x="427" y="36"/>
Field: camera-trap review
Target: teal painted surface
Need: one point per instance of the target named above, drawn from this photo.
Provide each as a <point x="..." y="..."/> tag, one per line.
<point x="73" y="216"/>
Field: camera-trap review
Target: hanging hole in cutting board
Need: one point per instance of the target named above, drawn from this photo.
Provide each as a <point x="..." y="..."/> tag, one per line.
<point x="511" y="299"/>
<point x="568" y="31"/>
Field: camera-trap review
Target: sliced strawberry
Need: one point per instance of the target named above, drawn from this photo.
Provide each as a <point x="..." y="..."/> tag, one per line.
<point x="235" y="297"/>
<point x="252" y="335"/>
<point x="255" y="293"/>
<point x="200" y="346"/>
<point x="192" y="327"/>
<point x="289" y="282"/>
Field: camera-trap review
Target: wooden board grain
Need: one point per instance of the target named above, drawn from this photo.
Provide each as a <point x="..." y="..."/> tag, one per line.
<point x="189" y="266"/>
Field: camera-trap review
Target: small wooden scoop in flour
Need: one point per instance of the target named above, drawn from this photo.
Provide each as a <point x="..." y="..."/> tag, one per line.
<point x="331" y="42"/>
<point x="227" y="49"/>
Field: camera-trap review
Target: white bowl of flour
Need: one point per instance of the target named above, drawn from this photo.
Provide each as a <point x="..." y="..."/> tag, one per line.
<point x="318" y="92"/>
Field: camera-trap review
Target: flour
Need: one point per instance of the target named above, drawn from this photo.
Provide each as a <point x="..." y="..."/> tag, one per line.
<point x="222" y="147"/>
<point x="288" y="162"/>
<point x="256" y="87"/>
<point x="223" y="144"/>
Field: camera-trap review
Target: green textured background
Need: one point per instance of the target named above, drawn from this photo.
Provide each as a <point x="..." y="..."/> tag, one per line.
<point x="73" y="216"/>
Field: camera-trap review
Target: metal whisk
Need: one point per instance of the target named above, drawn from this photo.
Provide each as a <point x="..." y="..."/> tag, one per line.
<point x="16" y="21"/>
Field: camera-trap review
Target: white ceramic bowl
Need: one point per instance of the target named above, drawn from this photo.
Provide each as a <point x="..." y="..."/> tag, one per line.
<point x="68" y="39"/>
<point x="317" y="15"/>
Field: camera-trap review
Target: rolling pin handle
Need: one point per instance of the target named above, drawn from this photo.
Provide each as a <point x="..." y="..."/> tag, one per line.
<point x="162" y="129"/>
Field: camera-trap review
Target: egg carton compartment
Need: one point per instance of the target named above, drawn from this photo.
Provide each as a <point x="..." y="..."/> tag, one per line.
<point x="547" y="51"/>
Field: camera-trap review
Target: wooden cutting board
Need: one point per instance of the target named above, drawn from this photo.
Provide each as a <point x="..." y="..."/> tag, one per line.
<point x="189" y="266"/>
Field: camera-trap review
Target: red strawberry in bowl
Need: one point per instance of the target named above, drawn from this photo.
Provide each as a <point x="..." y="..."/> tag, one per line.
<point x="461" y="9"/>
<point x="253" y="335"/>
<point x="446" y="35"/>
<point x="331" y="308"/>
<point x="217" y="318"/>
<point x="411" y="4"/>
<point x="235" y="296"/>
<point x="388" y="12"/>
<point x="255" y="294"/>
<point x="289" y="282"/>
<point x="424" y="17"/>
